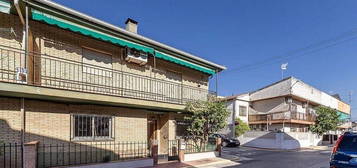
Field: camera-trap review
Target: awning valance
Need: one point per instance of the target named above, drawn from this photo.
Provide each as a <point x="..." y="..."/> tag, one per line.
<point x="5" y="6"/>
<point x="52" y="20"/>
<point x="179" y="61"/>
<point x="343" y="116"/>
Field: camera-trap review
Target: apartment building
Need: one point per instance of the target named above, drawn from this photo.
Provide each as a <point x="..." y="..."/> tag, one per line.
<point x="286" y="106"/>
<point x="69" y="77"/>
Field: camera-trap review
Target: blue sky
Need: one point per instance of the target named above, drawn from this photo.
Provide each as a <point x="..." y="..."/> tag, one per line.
<point x="237" y="33"/>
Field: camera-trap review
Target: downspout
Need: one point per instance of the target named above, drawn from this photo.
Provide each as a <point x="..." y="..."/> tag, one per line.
<point x="24" y="46"/>
<point x="233" y="119"/>
<point x="216" y="83"/>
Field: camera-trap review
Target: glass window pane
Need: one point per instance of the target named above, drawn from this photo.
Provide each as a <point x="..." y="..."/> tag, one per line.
<point x="242" y="111"/>
<point x="348" y="143"/>
<point x="82" y="126"/>
<point x="102" y="125"/>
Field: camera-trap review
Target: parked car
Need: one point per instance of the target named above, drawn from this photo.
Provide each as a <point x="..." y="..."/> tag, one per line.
<point x="344" y="153"/>
<point x="227" y="141"/>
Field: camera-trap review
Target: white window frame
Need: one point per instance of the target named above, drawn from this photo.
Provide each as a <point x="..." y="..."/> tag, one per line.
<point x="93" y="137"/>
<point x="246" y="111"/>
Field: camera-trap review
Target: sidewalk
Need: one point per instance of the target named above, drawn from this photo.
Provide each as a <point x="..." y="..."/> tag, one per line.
<point x="196" y="163"/>
<point x="323" y="147"/>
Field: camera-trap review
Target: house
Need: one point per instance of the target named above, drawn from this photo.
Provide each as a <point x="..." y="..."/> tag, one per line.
<point x="238" y="106"/>
<point x="288" y="106"/>
<point x="68" y="77"/>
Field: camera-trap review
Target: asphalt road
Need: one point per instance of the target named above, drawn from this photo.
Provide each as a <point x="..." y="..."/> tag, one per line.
<point x="244" y="157"/>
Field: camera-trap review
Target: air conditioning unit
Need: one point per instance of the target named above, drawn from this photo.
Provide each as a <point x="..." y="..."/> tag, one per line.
<point x="136" y="56"/>
<point x="21" y="75"/>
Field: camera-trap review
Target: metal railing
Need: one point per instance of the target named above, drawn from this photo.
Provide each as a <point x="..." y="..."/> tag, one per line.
<point x="200" y="146"/>
<point x="283" y="116"/>
<point x="65" y="154"/>
<point x="10" y="155"/>
<point x="258" y="117"/>
<point x="173" y="149"/>
<point x="55" y="72"/>
<point x="303" y="116"/>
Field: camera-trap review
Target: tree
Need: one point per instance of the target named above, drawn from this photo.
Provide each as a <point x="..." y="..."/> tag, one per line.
<point x="207" y="118"/>
<point x="327" y="120"/>
<point x="241" y="127"/>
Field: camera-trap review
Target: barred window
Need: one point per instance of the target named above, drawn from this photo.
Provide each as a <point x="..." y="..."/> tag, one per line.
<point x="181" y="126"/>
<point x="92" y="127"/>
<point x="242" y="111"/>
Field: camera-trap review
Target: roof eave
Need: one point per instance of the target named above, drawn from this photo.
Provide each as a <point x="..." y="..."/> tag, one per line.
<point x="132" y="35"/>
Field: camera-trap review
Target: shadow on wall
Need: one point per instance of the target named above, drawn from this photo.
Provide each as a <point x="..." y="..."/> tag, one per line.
<point x="276" y="140"/>
<point x="56" y="152"/>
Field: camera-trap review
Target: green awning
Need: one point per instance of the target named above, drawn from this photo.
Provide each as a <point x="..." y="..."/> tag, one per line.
<point x="5" y="6"/>
<point x="343" y="116"/>
<point x="52" y="20"/>
<point x="183" y="62"/>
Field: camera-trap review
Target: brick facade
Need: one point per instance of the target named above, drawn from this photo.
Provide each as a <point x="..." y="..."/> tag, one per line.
<point x="49" y="122"/>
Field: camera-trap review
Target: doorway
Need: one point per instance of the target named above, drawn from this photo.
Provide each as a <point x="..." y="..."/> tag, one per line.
<point x="152" y="129"/>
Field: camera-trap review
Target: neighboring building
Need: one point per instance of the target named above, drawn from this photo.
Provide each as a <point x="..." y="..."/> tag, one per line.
<point x="84" y="80"/>
<point x="287" y="106"/>
<point x="238" y="106"/>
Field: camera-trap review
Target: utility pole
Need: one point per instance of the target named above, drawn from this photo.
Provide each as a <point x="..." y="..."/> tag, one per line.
<point x="283" y="67"/>
<point x="350" y="102"/>
<point x="216" y="82"/>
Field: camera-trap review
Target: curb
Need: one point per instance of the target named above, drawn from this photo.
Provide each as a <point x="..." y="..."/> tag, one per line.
<point x="223" y="161"/>
<point x="270" y="149"/>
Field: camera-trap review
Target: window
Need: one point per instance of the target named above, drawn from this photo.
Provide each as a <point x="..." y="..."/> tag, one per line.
<point x="293" y="108"/>
<point x="174" y="76"/>
<point x="181" y="126"/>
<point x="92" y="127"/>
<point x="97" y="63"/>
<point x="348" y="144"/>
<point x="242" y="111"/>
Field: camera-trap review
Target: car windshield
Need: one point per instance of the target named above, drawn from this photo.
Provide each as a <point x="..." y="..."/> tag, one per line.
<point x="348" y="143"/>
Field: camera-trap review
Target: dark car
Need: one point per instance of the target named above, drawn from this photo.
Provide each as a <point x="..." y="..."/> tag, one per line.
<point x="227" y="141"/>
<point x="344" y="154"/>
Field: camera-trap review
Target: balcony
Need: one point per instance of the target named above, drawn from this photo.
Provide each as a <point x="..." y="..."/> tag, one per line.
<point x="59" y="73"/>
<point x="280" y="117"/>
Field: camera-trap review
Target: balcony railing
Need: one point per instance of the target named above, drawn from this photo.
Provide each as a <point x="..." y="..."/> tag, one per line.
<point x="61" y="73"/>
<point x="282" y="116"/>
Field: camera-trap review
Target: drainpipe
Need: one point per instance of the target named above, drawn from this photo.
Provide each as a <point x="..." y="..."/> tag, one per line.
<point x="26" y="36"/>
<point x="23" y="63"/>
<point x="233" y="119"/>
<point x="23" y="122"/>
<point x="216" y="83"/>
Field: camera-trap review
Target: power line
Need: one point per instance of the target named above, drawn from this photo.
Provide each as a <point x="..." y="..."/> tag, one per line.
<point x="304" y="51"/>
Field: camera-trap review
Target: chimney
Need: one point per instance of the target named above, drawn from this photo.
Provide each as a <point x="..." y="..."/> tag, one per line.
<point x="131" y="25"/>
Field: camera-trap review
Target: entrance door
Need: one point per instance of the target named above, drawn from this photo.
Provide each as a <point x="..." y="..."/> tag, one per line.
<point x="152" y="130"/>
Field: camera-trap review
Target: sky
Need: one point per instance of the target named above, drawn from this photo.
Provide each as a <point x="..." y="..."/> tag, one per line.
<point x="252" y="38"/>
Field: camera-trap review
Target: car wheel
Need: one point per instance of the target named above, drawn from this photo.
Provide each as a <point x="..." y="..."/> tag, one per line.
<point x="224" y="144"/>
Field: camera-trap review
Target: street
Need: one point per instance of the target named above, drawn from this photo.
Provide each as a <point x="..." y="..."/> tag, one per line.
<point x="255" y="158"/>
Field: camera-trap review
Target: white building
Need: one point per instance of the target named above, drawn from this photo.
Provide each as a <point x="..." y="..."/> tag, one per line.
<point x="285" y="106"/>
<point x="238" y="107"/>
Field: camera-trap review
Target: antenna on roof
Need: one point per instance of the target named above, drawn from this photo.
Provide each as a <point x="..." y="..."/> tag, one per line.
<point x="283" y="67"/>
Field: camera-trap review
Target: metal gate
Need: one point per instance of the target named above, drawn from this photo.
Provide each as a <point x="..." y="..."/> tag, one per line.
<point x="173" y="149"/>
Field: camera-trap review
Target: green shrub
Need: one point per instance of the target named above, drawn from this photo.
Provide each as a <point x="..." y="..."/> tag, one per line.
<point x="241" y="128"/>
